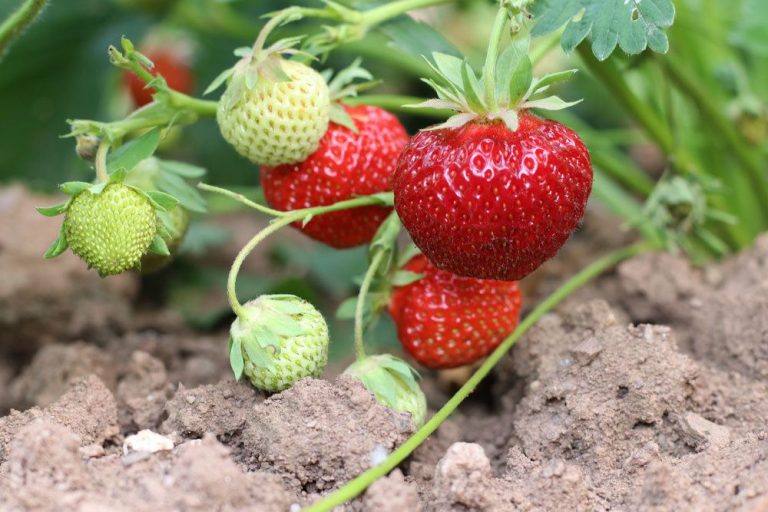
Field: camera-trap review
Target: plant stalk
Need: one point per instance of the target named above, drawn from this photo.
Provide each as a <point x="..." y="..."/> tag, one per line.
<point x="101" y="162"/>
<point x="360" y="306"/>
<point x="19" y="21"/>
<point x="356" y="486"/>
<point x="492" y="55"/>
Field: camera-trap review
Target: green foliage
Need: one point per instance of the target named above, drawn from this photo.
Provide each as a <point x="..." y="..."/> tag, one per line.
<point x="633" y="25"/>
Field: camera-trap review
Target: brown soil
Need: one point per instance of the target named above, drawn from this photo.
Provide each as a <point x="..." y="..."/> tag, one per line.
<point x="646" y="391"/>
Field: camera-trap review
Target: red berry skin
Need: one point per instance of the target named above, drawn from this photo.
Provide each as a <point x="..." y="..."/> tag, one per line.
<point x="444" y="320"/>
<point x="176" y="72"/>
<point x="346" y="165"/>
<point x="483" y="201"/>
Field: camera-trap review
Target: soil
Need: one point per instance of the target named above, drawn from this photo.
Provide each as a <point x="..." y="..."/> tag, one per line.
<point x="645" y="391"/>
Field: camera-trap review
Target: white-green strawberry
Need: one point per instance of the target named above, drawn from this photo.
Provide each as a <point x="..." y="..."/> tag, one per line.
<point x="274" y="111"/>
<point x="277" y="340"/>
<point x="393" y="383"/>
<point x="110" y="230"/>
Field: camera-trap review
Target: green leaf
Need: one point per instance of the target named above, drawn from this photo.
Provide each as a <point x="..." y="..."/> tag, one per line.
<point x="182" y="169"/>
<point x="72" y="188"/>
<point x="236" y="360"/>
<point x="415" y="38"/>
<point x="130" y="154"/>
<point x="59" y="245"/>
<point x="187" y="195"/>
<point x="53" y="211"/>
<point x="161" y="200"/>
<point x="159" y="246"/>
<point x="405" y="277"/>
<point x="633" y="25"/>
<point x="346" y="310"/>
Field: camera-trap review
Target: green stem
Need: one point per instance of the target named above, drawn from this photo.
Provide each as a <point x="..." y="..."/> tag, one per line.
<point x="18" y="21"/>
<point x="101" y="162"/>
<point x="240" y="198"/>
<point x="396" y="103"/>
<point x="356" y="486"/>
<point x="360" y="306"/>
<point x="244" y="252"/>
<point x="394" y="9"/>
<point x="280" y="222"/>
<point x="492" y="55"/>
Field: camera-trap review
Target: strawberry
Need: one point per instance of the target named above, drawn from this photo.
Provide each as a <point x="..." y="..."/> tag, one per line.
<point x="110" y="230"/>
<point x="494" y="191"/>
<point x="278" y="340"/>
<point x="167" y="63"/>
<point x="393" y="383"/>
<point x="273" y="111"/>
<point x="347" y="164"/>
<point x="444" y="320"/>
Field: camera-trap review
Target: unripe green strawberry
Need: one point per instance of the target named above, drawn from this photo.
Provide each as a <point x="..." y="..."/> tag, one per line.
<point x="393" y="383"/>
<point x="276" y="122"/>
<point x="278" y="340"/>
<point x="112" y="230"/>
<point x="179" y="221"/>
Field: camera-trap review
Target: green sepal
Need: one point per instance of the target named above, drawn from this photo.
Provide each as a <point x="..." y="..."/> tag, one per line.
<point x="266" y="338"/>
<point x="306" y="219"/>
<point x="219" y="81"/>
<point x="159" y="247"/>
<point x="542" y="83"/>
<point x="284" y="304"/>
<point x="53" y="211"/>
<point x="118" y="176"/>
<point x="98" y="188"/>
<point x="282" y="324"/>
<point x="407" y="254"/>
<point x="405" y="277"/>
<point x="510" y="65"/>
<point x="472" y="90"/>
<point x="173" y="184"/>
<point x="258" y="355"/>
<point x="72" y="188"/>
<point x="342" y="117"/>
<point x="59" y="245"/>
<point x="272" y="70"/>
<point x="162" y="201"/>
<point x="236" y="360"/>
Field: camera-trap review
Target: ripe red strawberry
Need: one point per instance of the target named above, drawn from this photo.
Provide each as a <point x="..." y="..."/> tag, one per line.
<point x="171" y="66"/>
<point x="484" y="201"/>
<point x="347" y="164"/>
<point x="444" y="320"/>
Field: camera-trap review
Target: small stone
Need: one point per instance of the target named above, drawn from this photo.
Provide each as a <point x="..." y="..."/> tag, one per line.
<point x="146" y="441"/>
<point x="586" y="351"/>
<point x="700" y="433"/>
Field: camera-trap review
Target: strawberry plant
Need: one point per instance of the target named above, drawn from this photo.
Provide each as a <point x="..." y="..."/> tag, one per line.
<point x="492" y="185"/>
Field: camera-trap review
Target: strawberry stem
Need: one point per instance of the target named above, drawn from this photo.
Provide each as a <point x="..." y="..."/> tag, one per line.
<point x="492" y="55"/>
<point x="101" y="162"/>
<point x="360" y="306"/>
<point x="281" y="222"/>
<point x="18" y="21"/>
<point x="356" y="486"/>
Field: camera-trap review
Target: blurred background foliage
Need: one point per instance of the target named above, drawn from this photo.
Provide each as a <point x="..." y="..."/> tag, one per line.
<point x="711" y="86"/>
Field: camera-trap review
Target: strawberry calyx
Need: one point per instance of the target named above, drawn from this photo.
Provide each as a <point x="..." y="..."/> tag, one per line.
<point x="342" y="85"/>
<point x="505" y="87"/>
<point x="393" y="382"/>
<point x="259" y="63"/>
<point x="259" y="326"/>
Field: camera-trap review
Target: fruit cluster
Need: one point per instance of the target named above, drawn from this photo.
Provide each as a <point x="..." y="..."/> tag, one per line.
<point x="486" y="197"/>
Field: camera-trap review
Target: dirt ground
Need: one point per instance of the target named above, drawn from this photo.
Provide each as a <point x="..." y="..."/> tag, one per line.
<point x="646" y="391"/>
